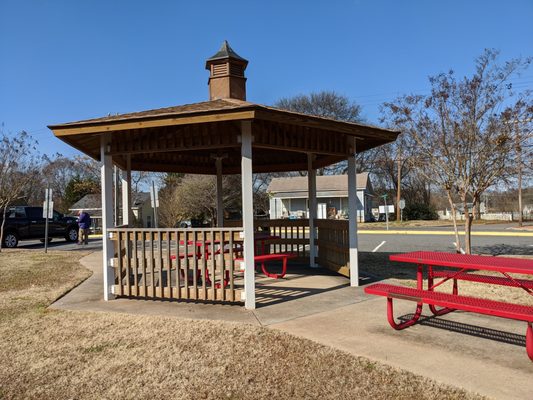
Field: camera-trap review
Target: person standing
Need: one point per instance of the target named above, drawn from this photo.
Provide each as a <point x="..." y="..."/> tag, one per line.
<point x="84" y="223"/>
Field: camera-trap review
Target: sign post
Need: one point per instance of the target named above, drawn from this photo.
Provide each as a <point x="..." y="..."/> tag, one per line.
<point x="48" y="212"/>
<point x="386" y="210"/>
<point x="402" y="206"/>
<point x="154" y="199"/>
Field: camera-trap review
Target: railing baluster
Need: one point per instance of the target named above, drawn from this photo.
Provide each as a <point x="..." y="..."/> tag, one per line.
<point x="222" y="266"/>
<point x="160" y="263"/>
<point x="152" y="261"/>
<point x="143" y="244"/>
<point x="213" y="266"/>
<point x="186" y="270"/>
<point x="119" y="258"/>
<point x="195" y="263"/>
<point x="128" y="261"/>
<point x="203" y="251"/>
<point x="169" y="265"/>
<point x="231" y="268"/>
<point x="178" y="263"/>
<point x="135" y="264"/>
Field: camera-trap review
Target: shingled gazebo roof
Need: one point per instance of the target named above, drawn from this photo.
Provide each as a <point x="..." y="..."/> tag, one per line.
<point x="185" y="138"/>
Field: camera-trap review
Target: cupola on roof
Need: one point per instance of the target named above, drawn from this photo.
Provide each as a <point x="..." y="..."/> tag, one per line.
<point x="226" y="78"/>
<point x="224" y="52"/>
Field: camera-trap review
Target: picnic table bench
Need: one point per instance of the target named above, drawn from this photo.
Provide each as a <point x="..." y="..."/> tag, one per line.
<point x="463" y="264"/>
<point x="263" y="258"/>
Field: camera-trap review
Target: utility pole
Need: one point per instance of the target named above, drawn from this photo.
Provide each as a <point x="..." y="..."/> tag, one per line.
<point x="519" y="157"/>
<point x="399" y="191"/>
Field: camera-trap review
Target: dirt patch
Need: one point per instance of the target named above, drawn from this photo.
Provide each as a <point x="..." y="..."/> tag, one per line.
<point x="78" y="355"/>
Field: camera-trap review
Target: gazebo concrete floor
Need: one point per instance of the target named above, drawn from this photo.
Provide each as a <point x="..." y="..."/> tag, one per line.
<point x="479" y="353"/>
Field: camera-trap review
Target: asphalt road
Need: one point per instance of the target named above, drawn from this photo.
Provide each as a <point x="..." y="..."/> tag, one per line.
<point x="493" y="245"/>
<point x="61" y="244"/>
<point x="411" y="240"/>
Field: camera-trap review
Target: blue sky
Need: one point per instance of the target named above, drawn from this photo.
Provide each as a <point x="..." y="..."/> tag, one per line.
<point x="62" y="61"/>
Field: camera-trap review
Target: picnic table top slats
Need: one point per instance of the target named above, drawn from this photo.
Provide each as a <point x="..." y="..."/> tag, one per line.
<point x="469" y="261"/>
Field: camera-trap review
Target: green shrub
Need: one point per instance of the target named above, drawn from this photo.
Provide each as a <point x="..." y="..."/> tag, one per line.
<point x="419" y="211"/>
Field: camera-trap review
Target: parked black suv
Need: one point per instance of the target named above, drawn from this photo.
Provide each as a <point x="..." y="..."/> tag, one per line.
<point x="28" y="223"/>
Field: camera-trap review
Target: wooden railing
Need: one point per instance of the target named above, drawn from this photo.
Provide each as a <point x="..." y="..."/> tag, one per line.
<point x="188" y="264"/>
<point x="333" y="245"/>
<point x="293" y="236"/>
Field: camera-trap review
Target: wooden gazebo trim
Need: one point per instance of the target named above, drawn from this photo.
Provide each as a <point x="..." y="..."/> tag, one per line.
<point x="185" y="137"/>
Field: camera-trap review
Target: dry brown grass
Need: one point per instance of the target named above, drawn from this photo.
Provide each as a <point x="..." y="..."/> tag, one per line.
<point x="75" y="355"/>
<point x="378" y="264"/>
<point x="30" y="280"/>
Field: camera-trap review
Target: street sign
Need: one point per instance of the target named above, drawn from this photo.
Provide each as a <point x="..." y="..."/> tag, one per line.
<point x="402" y="204"/>
<point x="154" y="198"/>
<point x="48" y="209"/>
<point x="390" y="209"/>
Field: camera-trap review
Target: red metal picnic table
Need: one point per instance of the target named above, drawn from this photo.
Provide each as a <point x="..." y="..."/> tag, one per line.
<point x="460" y="267"/>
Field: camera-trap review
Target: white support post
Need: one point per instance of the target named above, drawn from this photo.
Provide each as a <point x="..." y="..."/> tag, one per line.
<point x="247" y="214"/>
<point x="352" y="211"/>
<point x="220" y="201"/>
<point x="116" y="199"/>
<point x="107" y="216"/>
<point x="127" y="213"/>
<point x="311" y="195"/>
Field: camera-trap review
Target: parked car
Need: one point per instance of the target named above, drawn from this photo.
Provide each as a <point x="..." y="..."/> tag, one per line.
<point x="25" y="223"/>
<point x="193" y="223"/>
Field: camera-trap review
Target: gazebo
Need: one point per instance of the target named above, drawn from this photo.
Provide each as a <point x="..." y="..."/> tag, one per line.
<point x="225" y="135"/>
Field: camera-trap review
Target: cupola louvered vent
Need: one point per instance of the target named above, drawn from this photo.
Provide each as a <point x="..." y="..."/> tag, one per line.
<point x="227" y="80"/>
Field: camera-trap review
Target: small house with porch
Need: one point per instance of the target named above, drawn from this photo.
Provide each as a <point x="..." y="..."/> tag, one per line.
<point x="288" y="197"/>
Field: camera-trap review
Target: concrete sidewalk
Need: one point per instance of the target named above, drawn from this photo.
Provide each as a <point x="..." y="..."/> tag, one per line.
<point x="479" y="353"/>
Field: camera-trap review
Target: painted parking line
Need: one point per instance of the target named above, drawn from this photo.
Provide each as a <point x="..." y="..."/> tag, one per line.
<point x="479" y="233"/>
<point x="378" y="246"/>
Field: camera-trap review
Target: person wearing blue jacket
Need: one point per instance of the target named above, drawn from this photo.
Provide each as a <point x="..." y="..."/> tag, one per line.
<point x="84" y="223"/>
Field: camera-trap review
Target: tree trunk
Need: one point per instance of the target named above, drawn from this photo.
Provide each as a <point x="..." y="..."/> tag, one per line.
<point x="399" y="189"/>
<point x="468" y="227"/>
<point x="454" y="219"/>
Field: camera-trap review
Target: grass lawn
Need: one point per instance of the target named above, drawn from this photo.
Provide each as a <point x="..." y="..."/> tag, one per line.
<point x="49" y="354"/>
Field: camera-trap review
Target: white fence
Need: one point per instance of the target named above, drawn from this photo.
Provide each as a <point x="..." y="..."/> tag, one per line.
<point x="502" y="216"/>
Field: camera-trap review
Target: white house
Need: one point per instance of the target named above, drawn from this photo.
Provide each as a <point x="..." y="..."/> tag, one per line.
<point x="92" y="203"/>
<point x="288" y="197"/>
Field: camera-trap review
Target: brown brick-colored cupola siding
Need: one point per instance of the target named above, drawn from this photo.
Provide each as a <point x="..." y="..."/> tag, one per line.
<point x="226" y="78"/>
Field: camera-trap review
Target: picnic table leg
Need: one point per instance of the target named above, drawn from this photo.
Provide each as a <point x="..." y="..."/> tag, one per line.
<point x="403" y="325"/>
<point x="418" y="312"/>
<point x="432" y="308"/>
<point x="529" y="341"/>
<point x="275" y="276"/>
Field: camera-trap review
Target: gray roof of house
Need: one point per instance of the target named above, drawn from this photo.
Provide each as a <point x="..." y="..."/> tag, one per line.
<point x="324" y="183"/>
<point x="93" y="201"/>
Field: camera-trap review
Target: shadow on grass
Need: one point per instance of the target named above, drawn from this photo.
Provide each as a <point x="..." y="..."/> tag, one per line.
<point x="501" y="249"/>
<point x="379" y="267"/>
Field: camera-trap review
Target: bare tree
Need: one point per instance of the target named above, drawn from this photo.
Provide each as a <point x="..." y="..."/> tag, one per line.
<point x="463" y="139"/>
<point x="329" y="104"/>
<point x="195" y="196"/>
<point x="19" y="165"/>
